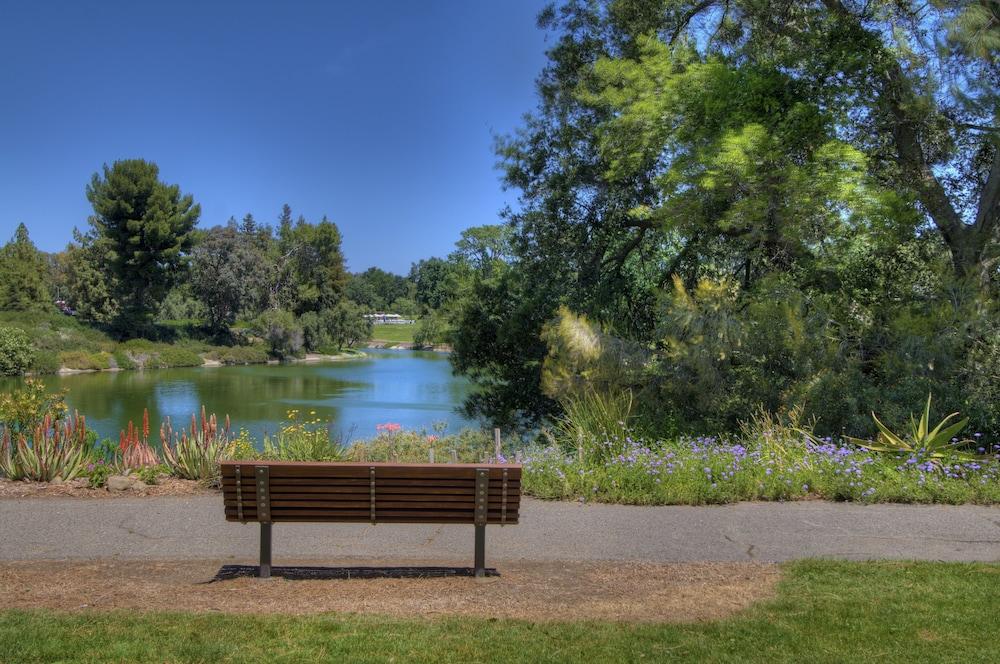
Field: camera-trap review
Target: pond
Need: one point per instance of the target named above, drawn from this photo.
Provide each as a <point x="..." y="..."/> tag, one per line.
<point x="411" y="388"/>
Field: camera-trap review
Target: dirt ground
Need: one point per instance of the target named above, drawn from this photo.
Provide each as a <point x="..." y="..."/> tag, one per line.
<point x="166" y="486"/>
<point x="552" y="591"/>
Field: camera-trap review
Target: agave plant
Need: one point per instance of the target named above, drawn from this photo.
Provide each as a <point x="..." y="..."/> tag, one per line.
<point x="195" y="454"/>
<point x="135" y="452"/>
<point x="924" y="441"/>
<point x="56" y="449"/>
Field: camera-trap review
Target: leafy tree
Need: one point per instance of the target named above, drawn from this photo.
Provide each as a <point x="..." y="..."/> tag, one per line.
<point x="228" y="270"/>
<point x="434" y="282"/>
<point x="346" y="325"/>
<point x="23" y="274"/>
<point x="317" y="262"/>
<point x="281" y="331"/>
<point x="376" y="289"/>
<point x="144" y="227"/>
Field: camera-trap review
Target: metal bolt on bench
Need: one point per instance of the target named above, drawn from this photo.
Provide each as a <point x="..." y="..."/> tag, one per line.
<point x="476" y="494"/>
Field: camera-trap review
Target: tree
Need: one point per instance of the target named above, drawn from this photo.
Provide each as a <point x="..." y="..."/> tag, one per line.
<point x="144" y="227"/>
<point x="23" y="274"/>
<point x="90" y="287"/>
<point x="376" y="289"/>
<point x="433" y="279"/>
<point x="228" y="272"/>
<point x="317" y="264"/>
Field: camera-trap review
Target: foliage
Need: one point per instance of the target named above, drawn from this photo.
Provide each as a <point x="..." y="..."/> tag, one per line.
<point x="228" y="273"/>
<point x="377" y="290"/>
<point x="23" y="274"/>
<point x="429" y="330"/>
<point x="317" y="264"/>
<point x="195" y="454"/>
<point x="143" y="227"/>
<point x="54" y="449"/>
<point x="281" y="332"/>
<point x="595" y="425"/>
<point x="923" y="442"/>
<point x="82" y="360"/>
<point x="403" y="446"/>
<point x="23" y="410"/>
<point x="98" y="473"/>
<point x="135" y="452"/>
<point x="149" y="475"/>
<point x="242" y="355"/>
<point x="302" y="440"/>
<point x="15" y="351"/>
<point x="706" y="470"/>
<point x="87" y="285"/>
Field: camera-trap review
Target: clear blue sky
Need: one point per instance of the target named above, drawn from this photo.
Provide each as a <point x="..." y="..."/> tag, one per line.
<point x="379" y="115"/>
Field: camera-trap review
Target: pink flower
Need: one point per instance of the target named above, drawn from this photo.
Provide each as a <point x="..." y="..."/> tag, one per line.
<point x="431" y="439"/>
<point x="388" y="426"/>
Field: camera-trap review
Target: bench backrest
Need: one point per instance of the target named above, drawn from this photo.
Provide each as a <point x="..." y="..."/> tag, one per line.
<point x="274" y="491"/>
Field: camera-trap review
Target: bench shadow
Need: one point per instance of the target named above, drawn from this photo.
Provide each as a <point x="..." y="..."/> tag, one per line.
<point x="300" y="573"/>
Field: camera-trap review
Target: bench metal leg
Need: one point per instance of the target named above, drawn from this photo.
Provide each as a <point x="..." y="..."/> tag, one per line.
<point x="480" y="567"/>
<point x="265" y="550"/>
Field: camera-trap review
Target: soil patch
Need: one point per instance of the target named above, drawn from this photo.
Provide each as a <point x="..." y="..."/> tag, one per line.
<point x="550" y="591"/>
<point x="167" y="486"/>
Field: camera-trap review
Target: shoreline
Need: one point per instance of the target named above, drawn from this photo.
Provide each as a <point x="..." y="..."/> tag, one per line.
<point x="308" y="358"/>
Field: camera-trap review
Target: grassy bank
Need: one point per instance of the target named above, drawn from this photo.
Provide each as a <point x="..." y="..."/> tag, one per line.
<point x="824" y="612"/>
<point x="62" y="342"/>
<point x="399" y="334"/>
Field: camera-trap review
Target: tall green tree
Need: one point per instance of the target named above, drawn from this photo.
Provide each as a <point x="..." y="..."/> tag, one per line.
<point x="229" y="273"/>
<point x="24" y="274"/>
<point x="144" y="227"/>
<point x="317" y="261"/>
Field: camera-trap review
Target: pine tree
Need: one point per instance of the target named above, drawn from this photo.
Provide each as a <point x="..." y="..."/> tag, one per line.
<point x="24" y="274"/>
<point x="146" y="228"/>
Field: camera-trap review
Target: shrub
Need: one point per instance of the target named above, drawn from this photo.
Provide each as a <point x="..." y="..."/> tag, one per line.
<point x="595" y="425"/>
<point x="243" y="355"/>
<point x="281" y="331"/>
<point x="45" y="363"/>
<point x="83" y="361"/>
<point x="15" y="351"/>
<point x="168" y="356"/>
<point x="98" y="473"/>
<point x="195" y="454"/>
<point x="400" y="446"/>
<point x="302" y="441"/>
<point x="22" y="410"/>
<point x="122" y="359"/>
<point x="55" y="449"/>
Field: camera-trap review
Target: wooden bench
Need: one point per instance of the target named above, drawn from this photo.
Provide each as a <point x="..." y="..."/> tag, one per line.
<point x="271" y="492"/>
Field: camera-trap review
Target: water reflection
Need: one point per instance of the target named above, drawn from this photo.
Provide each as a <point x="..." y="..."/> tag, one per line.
<point x="413" y="389"/>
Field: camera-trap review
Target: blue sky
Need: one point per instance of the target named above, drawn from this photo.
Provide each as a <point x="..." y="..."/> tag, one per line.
<point x="379" y="115"/>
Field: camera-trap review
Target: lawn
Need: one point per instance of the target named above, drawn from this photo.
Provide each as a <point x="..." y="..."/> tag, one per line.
<point x="825" y="612"/>
<point x="394" y="333"/>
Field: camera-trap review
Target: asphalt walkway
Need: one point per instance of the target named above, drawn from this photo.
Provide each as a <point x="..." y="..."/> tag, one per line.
<point x="194" y="528"/>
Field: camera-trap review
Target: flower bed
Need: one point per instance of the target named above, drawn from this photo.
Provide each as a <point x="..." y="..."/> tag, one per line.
<point x="706" y="470"/>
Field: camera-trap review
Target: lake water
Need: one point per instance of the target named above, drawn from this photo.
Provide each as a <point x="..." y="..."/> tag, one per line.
<point x="411" y="388"/>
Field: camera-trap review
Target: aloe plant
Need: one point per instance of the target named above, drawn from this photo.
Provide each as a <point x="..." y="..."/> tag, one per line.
<point x="56" y="449"/>
<point x="195" y="454"/>
<point x="935" y="443"/>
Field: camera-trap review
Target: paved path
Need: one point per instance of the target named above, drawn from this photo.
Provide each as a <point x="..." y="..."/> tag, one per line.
<point x="193" y="527"/>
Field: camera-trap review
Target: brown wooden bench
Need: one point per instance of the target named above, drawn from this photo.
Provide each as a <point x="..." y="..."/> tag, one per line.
<point x="271" y="492"/>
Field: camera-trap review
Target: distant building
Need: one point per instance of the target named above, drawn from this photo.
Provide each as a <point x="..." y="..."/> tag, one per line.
<point x="389" y="319"/>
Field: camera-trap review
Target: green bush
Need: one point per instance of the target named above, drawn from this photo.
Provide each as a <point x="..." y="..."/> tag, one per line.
<point x="45" y="363"/>
<point x="122" y="359"/>
<point x="168" y="356"/>
<point x="82" y="360"/>
<point x="400" y="446"/>
<point x="242" y="355"/>
<point x="15" y="351"/>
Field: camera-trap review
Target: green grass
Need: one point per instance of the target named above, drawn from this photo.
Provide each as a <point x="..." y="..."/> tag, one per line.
<point x="394" y="333"/>
<point x="824" y="612"/>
